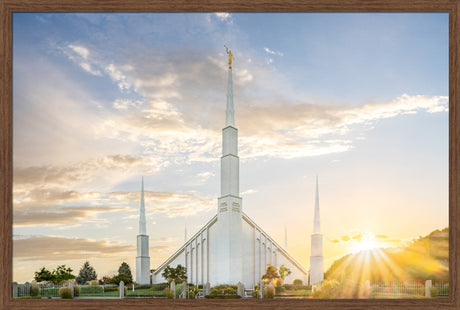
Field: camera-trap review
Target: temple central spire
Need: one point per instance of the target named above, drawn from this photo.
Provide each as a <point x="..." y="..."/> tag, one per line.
<point x="229" y="210"/>
<point x="229" y="111"/>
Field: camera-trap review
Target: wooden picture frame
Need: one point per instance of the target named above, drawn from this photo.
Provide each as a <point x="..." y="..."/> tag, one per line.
<point x="8" y="7"/>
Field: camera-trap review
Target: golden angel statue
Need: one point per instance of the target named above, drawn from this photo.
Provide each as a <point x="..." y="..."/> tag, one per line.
<point x="230" y="57"/>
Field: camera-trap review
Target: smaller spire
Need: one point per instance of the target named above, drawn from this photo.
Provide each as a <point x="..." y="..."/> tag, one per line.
<point x="316" y="221"/>
<point x="142" y="228"/>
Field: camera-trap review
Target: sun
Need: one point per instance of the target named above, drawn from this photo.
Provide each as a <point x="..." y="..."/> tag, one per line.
<point x="365" y="242"/>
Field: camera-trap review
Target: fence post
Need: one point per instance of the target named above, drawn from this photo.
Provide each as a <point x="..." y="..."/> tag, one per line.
<point x="261" y="289"/>
<point x="367" y="289"/>
<point x="183" y="293"/>
<point x="428" y="284"/>
<point x="15" y="289"/>
<point x="71" y="286"/>
<point x="27" y="287"/>
<point x="173" y="288"/>
<point x="240" y="290"/>
<point x="133" y="287"/>
<point x="208" y="289"/>
<point x="122" y="289"/>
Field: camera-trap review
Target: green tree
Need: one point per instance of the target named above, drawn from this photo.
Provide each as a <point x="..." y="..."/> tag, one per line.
<point x="125" y="270"/>
<point x="284" y="272"/>
<point x="61" y="274"/>
<point x="270" y="274"/>
<point x="118" y="278"/>
<point x="44" y="275"/>
<point x="175" y="274"/>
<point x="87" y="273"/>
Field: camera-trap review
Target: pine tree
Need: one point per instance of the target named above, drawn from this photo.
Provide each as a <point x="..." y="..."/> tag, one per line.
<point x="87" y="273"/>
<point x="125" y="270"/>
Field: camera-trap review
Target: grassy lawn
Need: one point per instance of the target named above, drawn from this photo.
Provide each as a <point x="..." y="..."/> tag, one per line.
<point x="144" y="292"/>
<point x="104" y="294"/>
<point x="296" y="293"/>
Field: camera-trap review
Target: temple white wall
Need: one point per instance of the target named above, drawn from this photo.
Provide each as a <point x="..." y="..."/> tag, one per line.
<point x="204" y="261"/>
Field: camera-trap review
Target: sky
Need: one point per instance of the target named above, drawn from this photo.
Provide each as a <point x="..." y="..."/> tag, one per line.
<point x="100" y="100"/>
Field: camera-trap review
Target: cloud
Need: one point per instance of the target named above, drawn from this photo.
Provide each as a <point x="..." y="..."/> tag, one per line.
<point x="223" y="16"/>
<point x="117" y="76"/>
<point x="84" y="171"/>
<point x="182" y="102"/>
<point x="80" y="50"/>
<point x="249" y="191"/>
<point x="161" y="248"/>
<point x="58" y="215"/>
<point x="274" y="127"/>
<point x="124" y="104"/>
<point x="163" y="239"/>
<point x="266" y="49"/>
<point x="55" y="248"/>
<point x="168" y="203"/>
<point x="80" y="55"/>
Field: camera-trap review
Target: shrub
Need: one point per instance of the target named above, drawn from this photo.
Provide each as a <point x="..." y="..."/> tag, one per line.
<point x="169" y="294"/>
<point x="110" y="288"/>
<point x="292" y="287"/>
<point x="255" y="294"/>
<point x="65" y="293"/>
<point x="76" y="291"/>
<point x="297" y="282"/>
<point x="34" y="290"/>
<point x="221" y="290"/>
<point x="329" y="289"/>
<point x="142" y="287"/>
<point x="159" y="286"/>
<point x="270" y="292"/>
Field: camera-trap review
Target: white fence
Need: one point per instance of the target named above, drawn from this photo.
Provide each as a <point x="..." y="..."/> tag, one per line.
<point x="409" y="289"/>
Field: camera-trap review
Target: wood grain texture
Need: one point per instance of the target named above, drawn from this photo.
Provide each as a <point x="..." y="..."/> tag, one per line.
<point x="7" y="7"/>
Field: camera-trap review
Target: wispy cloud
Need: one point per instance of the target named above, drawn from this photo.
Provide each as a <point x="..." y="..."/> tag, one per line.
<point x="55" y="248"/>
<point x="58" y="215"/>
<point x="269" y="51"/>
<point x="117" y="76"/>
<point x="84" y="171"/>
<point x="80" y="55"/>
<point x="224" y="16"/>
<point x="124" y="104"/>
<point x="169" y="203"/>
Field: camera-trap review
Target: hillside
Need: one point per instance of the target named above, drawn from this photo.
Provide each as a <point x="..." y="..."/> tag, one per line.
<point x="426" y="258"/>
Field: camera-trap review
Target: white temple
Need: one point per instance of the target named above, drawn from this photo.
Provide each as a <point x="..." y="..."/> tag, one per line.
<point x="230" y="248"/>
<point x="143" y="258"/>
<point x="316" y="258"/>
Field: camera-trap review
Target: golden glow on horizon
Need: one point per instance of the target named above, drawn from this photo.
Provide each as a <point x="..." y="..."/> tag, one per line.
<point x="365" y="242"/>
